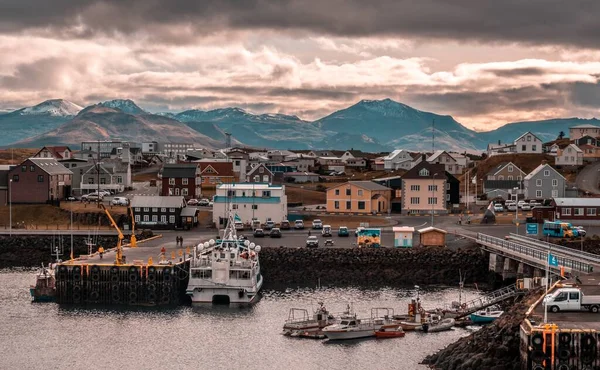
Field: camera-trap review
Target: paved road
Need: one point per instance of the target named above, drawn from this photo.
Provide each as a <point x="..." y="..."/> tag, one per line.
<point x="587" y="179"/>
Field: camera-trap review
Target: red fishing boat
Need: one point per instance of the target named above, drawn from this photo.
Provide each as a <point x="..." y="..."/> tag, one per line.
<point x="389" y="331"/>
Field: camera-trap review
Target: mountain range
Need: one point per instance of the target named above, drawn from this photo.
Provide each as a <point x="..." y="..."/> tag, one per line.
<point x="369" y="125"/>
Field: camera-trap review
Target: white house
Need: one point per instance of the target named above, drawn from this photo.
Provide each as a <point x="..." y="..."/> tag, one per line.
<point x="499" y="148"/>
<point x="398" y="159"/>
<point x="579" y="131"/>
<point x="528" y="143"/>
<point x="249" y="201"/>
<point x="450" y="164"/>
<point x="569" y="156"/>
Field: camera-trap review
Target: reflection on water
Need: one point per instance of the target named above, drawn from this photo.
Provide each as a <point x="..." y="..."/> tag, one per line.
<point x="206" y="336"/>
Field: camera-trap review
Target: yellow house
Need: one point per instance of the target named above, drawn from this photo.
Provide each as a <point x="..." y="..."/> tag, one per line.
<point x="359" y="197"/>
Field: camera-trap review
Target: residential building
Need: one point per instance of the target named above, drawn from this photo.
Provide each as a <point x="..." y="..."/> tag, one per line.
<point x="39" y="180"/>
<point x="176" y="150"/>
<point x="461" y="159"/>
<point x="505" y="171"/>
<point x="301" y="177"/>
<point x="4" y="171"/>
<point x="73" y="163"/>
<point x="240" y="162"/>
<point x="587" y="140"/>
<point x="378" y="164"/>
<point x="544" y="182"/>
<point x="450" y="164"/>
<point x="105" y="147"/>
<point x="260" y="174"/>
<point x="321" y="153"/>
<point x="569" y="156"/>
<point x="150" y="147"/>
<point x="579" y="209"/>
<point x="359" y="197"/>
<point x="357" y="163"/>
<point x="424" y="189"/>
<point x="181" y="179"/>
<point x="591" y="153"/>
<point x="110" y="175"/>
<point x="499" y="148"/>
<point x="394" y="183"/>
<point x="504" y="189"/>
<point x="398" y="159"/>
<point x="151" y="211"/>
<point x="352" y="154"/>
<point x="278" y="156"/>
<point x="302" y="162"/>
<point x="87" y="155"/>
<point x="213" y="173"/>
<point x="249" y="201"/>
<point x="528" y="143"/>
<point x="579" y="131"/>
<point x="56" y="152"/>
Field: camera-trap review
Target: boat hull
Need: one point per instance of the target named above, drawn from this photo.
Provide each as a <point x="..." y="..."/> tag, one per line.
<point x="37" y="296"/>
<point x="444" y="325"/>
<point x="353" y="334"/>
<point x="477" y="319"/>
<point x="389" y="334"/>
<point x="410" y="326"/>
<point x="223" y="296"/>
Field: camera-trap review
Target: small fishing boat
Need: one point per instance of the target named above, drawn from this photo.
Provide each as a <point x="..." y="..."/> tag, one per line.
<point x="44" y="289"/>
<point x="359" y="328"/>
<point x="299" y="322"/>
<point x="411" y="325"/>
<point x="389" y="331"/>
<point x="485" y="316"/>
<point x="436" y="324"/>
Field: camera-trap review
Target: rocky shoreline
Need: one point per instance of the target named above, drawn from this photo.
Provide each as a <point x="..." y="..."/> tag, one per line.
<point x="494" y="347"/>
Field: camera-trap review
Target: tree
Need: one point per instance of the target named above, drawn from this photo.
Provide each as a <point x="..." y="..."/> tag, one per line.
<point x="561" y="135"/>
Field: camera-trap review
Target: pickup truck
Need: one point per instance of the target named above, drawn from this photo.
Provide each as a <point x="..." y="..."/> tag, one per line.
<point x="572" y="299"/>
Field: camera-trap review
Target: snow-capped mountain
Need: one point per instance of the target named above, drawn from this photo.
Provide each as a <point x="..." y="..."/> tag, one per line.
<point x="124" y="105"/>
<point x="53" y="107"/>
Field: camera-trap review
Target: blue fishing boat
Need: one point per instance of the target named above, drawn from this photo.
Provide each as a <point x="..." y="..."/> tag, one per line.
<point x="44" y="289"/>
<point x="485" y="316"/>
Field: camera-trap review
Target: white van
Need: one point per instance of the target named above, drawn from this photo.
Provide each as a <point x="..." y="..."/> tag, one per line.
<point x="120" y="201"/>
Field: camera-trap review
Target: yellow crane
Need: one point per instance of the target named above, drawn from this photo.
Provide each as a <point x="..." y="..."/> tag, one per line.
<point x="119" y="256"/>
<point x="133" y="240"/>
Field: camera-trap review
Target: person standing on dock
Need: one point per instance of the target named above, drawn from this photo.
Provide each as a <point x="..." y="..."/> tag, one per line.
<point x="177" y="241"/>
<point x="100" y="251"/>
<point x="181" y="241"/>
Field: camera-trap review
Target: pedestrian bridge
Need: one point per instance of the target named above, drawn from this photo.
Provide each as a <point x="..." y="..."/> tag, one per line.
<point x="520" y="255"/>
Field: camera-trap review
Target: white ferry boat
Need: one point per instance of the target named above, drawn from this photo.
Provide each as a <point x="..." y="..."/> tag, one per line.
<point x="225" y="271"/>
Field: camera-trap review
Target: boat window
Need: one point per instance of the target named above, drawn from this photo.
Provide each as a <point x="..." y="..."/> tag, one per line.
<point x="222" y="255"/>
<point x="352" y="323"/>
<point x="206" y="274"/>
<point x="344" y="322"/>
<point x="232" y="255"/>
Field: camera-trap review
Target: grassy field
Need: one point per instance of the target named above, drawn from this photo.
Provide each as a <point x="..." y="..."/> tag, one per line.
<point x="16" y="155"/>
<point x="306" y="196"/>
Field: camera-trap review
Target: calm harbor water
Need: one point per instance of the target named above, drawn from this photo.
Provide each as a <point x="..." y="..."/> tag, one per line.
<point x="36" y="336"/>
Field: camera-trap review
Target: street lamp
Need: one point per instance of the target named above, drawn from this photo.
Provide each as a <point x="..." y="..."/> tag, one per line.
<point x="432" y="196"/>
<point x="10" y="206"/>
<point x="516" y="209"/>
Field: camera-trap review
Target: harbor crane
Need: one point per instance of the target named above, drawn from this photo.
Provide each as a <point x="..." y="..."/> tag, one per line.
<point x="119" y="255"/>
<point x="132" y="240"/>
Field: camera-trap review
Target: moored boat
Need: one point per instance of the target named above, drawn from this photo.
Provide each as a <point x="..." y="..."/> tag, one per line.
<point x="299" y="323"/>
<point x="353" y="328"/>
<point x="389" y="331"/>
<point x="485" y="316"/>
<point x="44" y="289"/>
<point x="437" y="324"/>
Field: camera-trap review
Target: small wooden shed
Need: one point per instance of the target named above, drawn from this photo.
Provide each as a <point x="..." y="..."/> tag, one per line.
<point x="403" y="236"/>
<point x="432" y="237"/>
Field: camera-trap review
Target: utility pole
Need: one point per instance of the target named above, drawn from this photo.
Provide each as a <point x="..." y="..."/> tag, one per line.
<point x="98" y="173"/>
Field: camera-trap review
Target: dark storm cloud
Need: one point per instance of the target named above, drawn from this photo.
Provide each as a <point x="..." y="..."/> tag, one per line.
<point x="518" y="72"/>
<point x="531" y="21"/>
<point x="586" y="94"/>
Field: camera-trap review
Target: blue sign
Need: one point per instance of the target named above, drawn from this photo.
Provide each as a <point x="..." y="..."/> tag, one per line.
<point x="532" y="229"/>
<point x="552" y="260"/>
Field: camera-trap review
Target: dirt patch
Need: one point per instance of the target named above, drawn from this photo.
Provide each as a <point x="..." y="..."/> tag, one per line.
<point x="143" y="177"/>
<point x="16" y="155"/>
<point x="305" y="196"/>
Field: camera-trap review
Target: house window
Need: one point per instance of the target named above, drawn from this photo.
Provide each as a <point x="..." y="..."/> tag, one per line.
<point x="432" y="187"/>
<point x="538" y="193"/>
<point x="538" y="182"/>
<point x="23" y="168"/>
<point x="424" y="172"/>
<point x="163" y="219"/>
<point x="184" y="191"/>
<point x="528" y="138"/>
<point x="510" y="178"/>
<point x="360" y="192"/>
<point x="176" y="191"/>
<point x="265" y="178"/>
<point x="554" y="182"/>
<point x="15" y="178"/>
<point x="415" y="187"/>
<point x="172" y="210"/>
<point x="591" y="211"/>
<point x="431" y="200"/>
<point x="361" y="205"/>
<point x="336" y="204"/>
<point x="261" y="170"/>
<point x="32" y="168"/>
<point x="171" y="219"/>
<point x="103" y="180"/>
<point x="119" y="179"/>
<point x="146" y="209"/>
<point x="447" y="186"/>
<point x="524" y="148"/>
<point x="184" y="181"/>
<point x="154" y="218"/>
<point x="578" y="212"/>
<point x="348" y="205"/>
<point x="154" y="209"/>
<point x="447" y="197"/>
<point x="348" y="191"/>
<point x="234" y="206"/>
<point x="137" y="218"/>
<point x="337" y="191"/>
<point x="137" y="209"/>
<point x="266" y="193"/>
<point x="40" y="178"/>
<point x="510" y="168"/>
<point x="533" y="147"/>
<point x="257" y="178"/>
<point x="255" y="206"/>
<point x="500" y="177"/>
<point x="415" y="200"/>
<point x="146" y="218"/>
<point x="546" y="172"/>
<point x="554" y="193"/>
<point x="171" y="181"/>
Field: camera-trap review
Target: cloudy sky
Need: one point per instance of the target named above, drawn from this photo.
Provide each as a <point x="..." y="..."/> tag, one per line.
<point x="484" y="62"/>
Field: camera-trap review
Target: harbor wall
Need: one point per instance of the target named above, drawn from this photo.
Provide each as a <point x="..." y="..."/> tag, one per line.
<point x="372" y="267"/>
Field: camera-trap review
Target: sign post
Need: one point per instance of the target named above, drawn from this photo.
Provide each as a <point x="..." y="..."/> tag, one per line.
<point x="532" y="229"/>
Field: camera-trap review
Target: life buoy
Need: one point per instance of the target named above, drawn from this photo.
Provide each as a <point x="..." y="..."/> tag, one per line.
<point x="167" y="277"/>
<point x="166" y="290"/>
<point x="95" y="276"/>
<point x="244" y="255"/>
<point x="165" y="300"/>
<point x="95" y="268"/>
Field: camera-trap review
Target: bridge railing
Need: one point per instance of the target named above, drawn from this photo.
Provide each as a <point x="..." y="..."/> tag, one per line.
<point x="588" y="257"/>
<point x="537" y="254"/>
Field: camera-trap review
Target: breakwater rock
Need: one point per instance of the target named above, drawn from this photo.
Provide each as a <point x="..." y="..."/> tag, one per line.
<point x="371" y="267"/>
<point x="495" y="347"/>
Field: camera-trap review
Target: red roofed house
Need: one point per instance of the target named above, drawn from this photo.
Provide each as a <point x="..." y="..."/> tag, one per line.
<point x="215" y="173"/>
<point x="56" y="152"/>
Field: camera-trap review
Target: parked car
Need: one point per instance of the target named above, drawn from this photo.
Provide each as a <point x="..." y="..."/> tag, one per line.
<point x="92" y="196"/>
<point x="275" y="233"/>
<point x="239" y="225"/>
<point x="521" y="203"/>
<point x="119" y="201"/>
<point x="343" y="231"/>
<point x="358" y="229"/>
<point x="317" y="224"/>
<point x="210" y="204"/>
<point x="299" y="224"/>
<point x="192" y="202"/>
<point x="580" y="230"/>
<point x="259" y="233"/>
<point x="328" y="243"/>
<point x="269" y="224"/>
<point x="526" y="207"/>
<point x="326" y="232"/>
<point x="255" y="224"/>
<point x="535" y="203"/>
<point x="285" y="225"/>
<point x="498" y="207"/>
<point x="203" y="202"/>
<point x="312" y="242"/>
<point x="511" y="207"/>
<point x="71" y="199"/>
